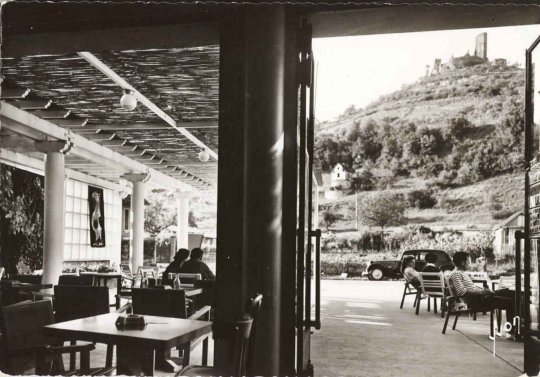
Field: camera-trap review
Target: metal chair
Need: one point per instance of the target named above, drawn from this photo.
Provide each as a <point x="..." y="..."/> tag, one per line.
<point x="408" y="290"/>
<point x="432" y="284"/>
<point x="24" y="346"/>
<point x="457" y="306"/>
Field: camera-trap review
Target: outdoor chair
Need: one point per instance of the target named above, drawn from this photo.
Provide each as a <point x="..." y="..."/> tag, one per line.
<point x="240" y="338"/>
<point x="457" y="306"/>
<point x="171" y="303"/>
<point x="408" y="290"/>
<point x="237" y="336"/>
<point x="75" y="280"/>
<point x="432" y="284"/>
<point x="24" y="346"/>
<point x="81" y="301"/>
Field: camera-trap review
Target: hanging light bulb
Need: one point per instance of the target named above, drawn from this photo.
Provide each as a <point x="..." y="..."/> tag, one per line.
<point x="128" y="100"/>
<point x="204" y="156"/>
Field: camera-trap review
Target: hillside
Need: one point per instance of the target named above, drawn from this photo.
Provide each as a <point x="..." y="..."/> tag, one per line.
<point x="478" y="92"/>
<point x="455" y="138"/>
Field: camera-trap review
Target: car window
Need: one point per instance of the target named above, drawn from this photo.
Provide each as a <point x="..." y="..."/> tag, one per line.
<point x="422" y="255"/>
<point x="443" y="257"/>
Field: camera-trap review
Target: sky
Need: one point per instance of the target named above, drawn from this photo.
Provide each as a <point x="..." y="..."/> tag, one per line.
<point x="357" y="70"/>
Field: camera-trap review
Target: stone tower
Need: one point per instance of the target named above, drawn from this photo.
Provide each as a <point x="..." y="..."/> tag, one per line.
<point x="481" y="46"/>
<point x="436" y="67"/>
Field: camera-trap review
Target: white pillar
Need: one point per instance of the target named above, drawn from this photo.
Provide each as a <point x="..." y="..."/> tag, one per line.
<point x="182" y="219"/>
<point x="137" y="209"/>
<point x="53" y="219"/>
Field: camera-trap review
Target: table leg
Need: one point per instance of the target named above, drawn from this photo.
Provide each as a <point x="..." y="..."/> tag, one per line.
<point x="165" y="362"/>
<point x="134" y="361"/>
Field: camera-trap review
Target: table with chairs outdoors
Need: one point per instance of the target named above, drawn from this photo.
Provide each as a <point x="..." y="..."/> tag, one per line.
<point x="149" y="318"/>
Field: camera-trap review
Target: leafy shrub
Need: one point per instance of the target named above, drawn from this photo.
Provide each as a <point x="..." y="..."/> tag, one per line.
<point x="421" y="199"/>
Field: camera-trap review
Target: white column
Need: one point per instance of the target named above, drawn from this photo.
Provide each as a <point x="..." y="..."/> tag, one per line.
<point x="53" y="219"/>
<point x="182" y="219"/>
<point x="137" y="209"/>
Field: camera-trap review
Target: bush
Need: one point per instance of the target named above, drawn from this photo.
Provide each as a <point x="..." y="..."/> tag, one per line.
<point x="421" y="199"/>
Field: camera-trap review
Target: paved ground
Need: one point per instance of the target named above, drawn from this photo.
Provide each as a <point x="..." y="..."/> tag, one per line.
<point x="364" y="333"/>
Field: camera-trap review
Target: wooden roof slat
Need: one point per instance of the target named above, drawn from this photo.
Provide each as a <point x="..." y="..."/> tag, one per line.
<point x="14" y="93"/>
<point x="52" y="114"/>
<point x="32" y="104"/>
<point x="102" y="67"/>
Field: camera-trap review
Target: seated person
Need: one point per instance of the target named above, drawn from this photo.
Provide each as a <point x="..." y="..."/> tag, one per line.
<point x="195" y="265"/>
<point x="479" y="298"/>
<point x="410" y="274"/>
<point x="179" y="259"/>
<point x="431" y="259"/>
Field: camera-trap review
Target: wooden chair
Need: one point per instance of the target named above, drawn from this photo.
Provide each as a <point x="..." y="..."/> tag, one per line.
<point x="458" y="307"/>
<point x="170" y="303"/>
<point x="241" y="355"/>
<point x="433" y="286"/>
<point x="81" y="301"/>
<point x="24" y="346"/>
<point x="237" y="334"/>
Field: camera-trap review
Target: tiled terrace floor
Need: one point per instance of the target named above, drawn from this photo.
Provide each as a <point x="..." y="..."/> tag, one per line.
<point x="364" y="333"/>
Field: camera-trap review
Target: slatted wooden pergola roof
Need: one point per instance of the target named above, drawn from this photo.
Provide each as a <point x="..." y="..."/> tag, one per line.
<point x="81" y="94"/>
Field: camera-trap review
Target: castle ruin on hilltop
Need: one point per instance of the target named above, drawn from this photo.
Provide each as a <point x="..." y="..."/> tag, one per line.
<point x="467" y="60"/>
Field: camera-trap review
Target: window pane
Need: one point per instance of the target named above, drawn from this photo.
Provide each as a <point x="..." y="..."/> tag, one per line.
<point x="77" y="205"/>
<point x="69" y="220"/>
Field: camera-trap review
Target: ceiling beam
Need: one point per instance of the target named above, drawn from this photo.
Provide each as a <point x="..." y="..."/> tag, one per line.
<point x="107" y="71"/>
<point x="52" y="114"/>
<point x="37" y="166"/>
<point x="415" y="18"/>
<point x="151" y="126"/>
<point x="113" y="39"/>
<point x="83" y="147"/>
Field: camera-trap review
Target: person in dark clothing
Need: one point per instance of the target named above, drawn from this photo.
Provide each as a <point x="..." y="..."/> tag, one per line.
<point x="431" y="259"/>
<point x="179" y="259"/>
<point x="195" y="265"/>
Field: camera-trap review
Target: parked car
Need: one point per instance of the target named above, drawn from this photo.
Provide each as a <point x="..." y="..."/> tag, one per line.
<point x="378" y="270"/>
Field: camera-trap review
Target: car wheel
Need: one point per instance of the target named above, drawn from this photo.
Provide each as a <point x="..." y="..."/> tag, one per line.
<point x="376" y="274"/>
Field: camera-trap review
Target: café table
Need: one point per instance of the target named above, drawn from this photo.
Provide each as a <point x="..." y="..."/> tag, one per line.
<point x="14" y="291"/>
<point x="135" y="349"/>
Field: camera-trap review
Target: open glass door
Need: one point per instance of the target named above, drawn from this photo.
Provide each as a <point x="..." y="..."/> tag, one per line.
<point x="530" y="299"/>
<point x="308" y="238"/>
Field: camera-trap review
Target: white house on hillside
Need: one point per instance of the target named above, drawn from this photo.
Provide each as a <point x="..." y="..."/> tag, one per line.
<point x="504" y="242"/>
<point x="340" y="177"/>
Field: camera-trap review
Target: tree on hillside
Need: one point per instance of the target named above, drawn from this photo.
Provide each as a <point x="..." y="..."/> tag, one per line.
<point x="329" y="218"/>
<point x="383" y="210"/>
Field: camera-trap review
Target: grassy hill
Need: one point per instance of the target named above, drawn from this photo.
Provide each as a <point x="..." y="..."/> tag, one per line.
<point x="479" y="92"/>
<point x="456" y="136"/>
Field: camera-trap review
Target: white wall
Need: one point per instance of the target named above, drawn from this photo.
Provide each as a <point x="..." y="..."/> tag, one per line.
<point x="77" y="225"/>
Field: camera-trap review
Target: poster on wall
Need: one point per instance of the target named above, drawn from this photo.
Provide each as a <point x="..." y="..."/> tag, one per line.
<point x="96" y="215"/>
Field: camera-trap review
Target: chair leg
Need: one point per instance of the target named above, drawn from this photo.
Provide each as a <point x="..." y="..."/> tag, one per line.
<point x="455" y="321"/>
<point x="418" y="301"/>
<point x="491" y="334"/>
<point x="415" y="300"/>
<point x="72" y="356"/>
<point x="109" y="357"/>
<point x="474" y="316"/>
<point x="205" y="351"/>
<point x="85" y="360"/>
<point x="446" y="321"/>
<point x="435" y="305"/>
<point x="429" y="304"/>
<point x="403" y="298"/>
